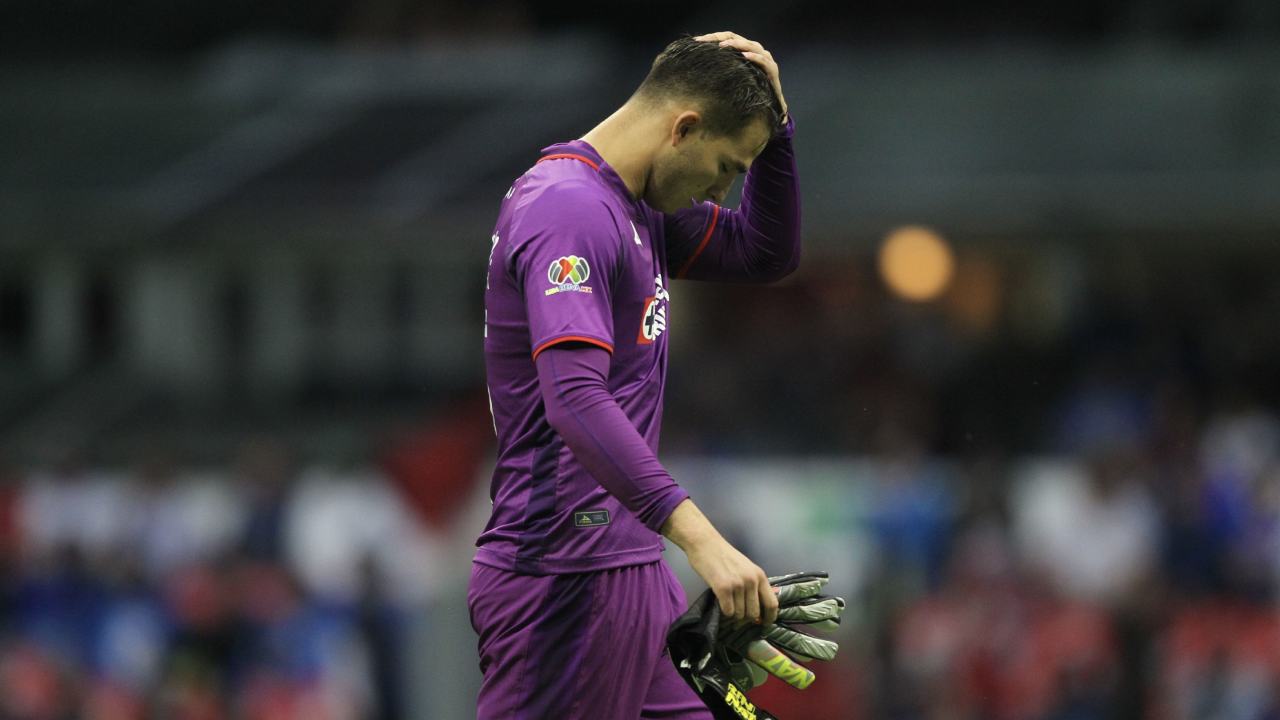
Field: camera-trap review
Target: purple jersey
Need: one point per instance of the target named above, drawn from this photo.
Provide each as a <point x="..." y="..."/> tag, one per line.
<point x="576" y="259"/>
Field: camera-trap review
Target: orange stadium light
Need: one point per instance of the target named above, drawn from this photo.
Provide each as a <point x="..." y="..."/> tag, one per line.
<point x="916" y="263"/>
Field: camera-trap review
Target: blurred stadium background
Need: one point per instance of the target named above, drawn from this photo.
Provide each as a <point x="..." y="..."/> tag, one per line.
<point x="1020" y="399"/>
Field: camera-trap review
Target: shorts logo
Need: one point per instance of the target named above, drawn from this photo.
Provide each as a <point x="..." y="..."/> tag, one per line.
<point x="567" y="275"/>
<point x="590" y="518"/>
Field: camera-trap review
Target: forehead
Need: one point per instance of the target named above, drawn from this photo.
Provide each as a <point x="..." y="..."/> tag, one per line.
<point x="746" y="144"/>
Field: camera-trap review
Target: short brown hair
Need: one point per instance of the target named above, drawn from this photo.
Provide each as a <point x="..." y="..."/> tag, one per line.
<point x="733" y="90"/>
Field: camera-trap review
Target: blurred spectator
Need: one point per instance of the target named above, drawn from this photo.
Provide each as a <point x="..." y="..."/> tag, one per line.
<point x="1239" y="452"/>
<point x="1094" y="536"/>
<point x="58" y="606"/>
<point x="985" y="646"/>
<point x="203" y="653"/>
<point x="912" y="509"/>
<point x="74" y="508"/>
<point x="130" y="643"/>
<point x="265" y="473"/>
<point x="337" y="522"/>
<point x="33" y="686"/>
<point x="378" y="624"/>
<point x="10" y="539"/>
<point x="177" y="521"/>
<point x="1220" y="660"/>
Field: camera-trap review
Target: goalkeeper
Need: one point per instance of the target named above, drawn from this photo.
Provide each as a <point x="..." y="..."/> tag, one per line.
<point x="568" y="594"/>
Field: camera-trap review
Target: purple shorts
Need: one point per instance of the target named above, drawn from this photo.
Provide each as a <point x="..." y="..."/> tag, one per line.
<point x="582" y="645"/>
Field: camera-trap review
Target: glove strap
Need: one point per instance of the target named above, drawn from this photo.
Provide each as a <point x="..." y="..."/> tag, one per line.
<point x="723" y="698"/>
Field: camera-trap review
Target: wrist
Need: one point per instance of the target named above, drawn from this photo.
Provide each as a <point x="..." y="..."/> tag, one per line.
<point x="786" y="126"/>
<point x="688" y="528"/>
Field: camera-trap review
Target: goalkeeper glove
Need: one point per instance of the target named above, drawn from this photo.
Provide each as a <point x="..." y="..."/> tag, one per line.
<point x="721" y="661"/>
<point x="777" y="647"/>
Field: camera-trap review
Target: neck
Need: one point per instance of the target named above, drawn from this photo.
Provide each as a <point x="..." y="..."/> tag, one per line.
<point x="621" y="139"/>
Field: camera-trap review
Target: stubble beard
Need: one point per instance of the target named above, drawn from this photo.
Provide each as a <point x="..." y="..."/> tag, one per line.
<point x="666" y="190"/>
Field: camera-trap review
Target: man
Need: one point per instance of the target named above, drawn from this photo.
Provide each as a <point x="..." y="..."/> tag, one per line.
<point x="569" y="594"/>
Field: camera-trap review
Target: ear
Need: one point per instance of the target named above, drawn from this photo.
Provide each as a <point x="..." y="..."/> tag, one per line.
<point x="684" y="125"/>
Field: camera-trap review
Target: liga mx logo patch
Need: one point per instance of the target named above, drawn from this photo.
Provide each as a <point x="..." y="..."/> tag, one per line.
<point x="568" y="274"/>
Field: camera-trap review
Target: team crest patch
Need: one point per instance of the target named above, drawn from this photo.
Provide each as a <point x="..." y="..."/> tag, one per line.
<point x="567" y="274"/>
<point x="653" y="322"/>
<point x="590" y="518"/>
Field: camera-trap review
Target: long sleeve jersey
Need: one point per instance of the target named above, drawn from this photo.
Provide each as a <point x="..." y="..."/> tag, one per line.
<point x="577" y="305"/>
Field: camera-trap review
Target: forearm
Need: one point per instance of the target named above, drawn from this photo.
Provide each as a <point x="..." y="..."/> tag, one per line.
<point x="770" y="211"/>
<point x="603" y="439"/>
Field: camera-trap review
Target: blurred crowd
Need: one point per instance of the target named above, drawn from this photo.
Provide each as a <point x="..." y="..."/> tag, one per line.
<point x="1129" y="580"/>
<point x="259" y="589"/>
<point x="1075" y="511"/>
<point x="1069" y="509"/>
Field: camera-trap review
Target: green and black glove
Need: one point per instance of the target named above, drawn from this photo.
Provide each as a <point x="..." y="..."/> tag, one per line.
<point x="721" y="660"/>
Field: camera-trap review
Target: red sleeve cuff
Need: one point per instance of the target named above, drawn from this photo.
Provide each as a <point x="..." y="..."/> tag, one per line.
<point x="571" y="338"/>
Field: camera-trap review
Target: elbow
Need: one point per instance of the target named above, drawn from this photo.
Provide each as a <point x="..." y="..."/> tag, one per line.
<point x="565" y="404"/>
<point x="781" y="267"/>
<point x="793" y="262"/>
<point x="559" y="416"/>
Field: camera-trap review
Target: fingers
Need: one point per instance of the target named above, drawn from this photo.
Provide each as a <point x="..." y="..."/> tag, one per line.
<point x="739" y="601"/>
<point x="727" y="602"/>
<point x="793" y="592"/>
<point x="779" y="665"/>
<point x="733" y="600"/>
<point x="728" y="37"/>
<point x="820" y="612"/>
<point x="768" y="603"/>
<point x="754" y="52"/>
<point x="750" y="599"/>
<point x="752" y="593"/>
<point x="736" y="41"/>
<point x="747" y="46"/>
<point x="795" y="577"/>
<point x="804" y="646"/>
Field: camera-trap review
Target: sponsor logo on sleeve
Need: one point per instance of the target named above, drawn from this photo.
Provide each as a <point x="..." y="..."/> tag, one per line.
<point x="567" y="274"/>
